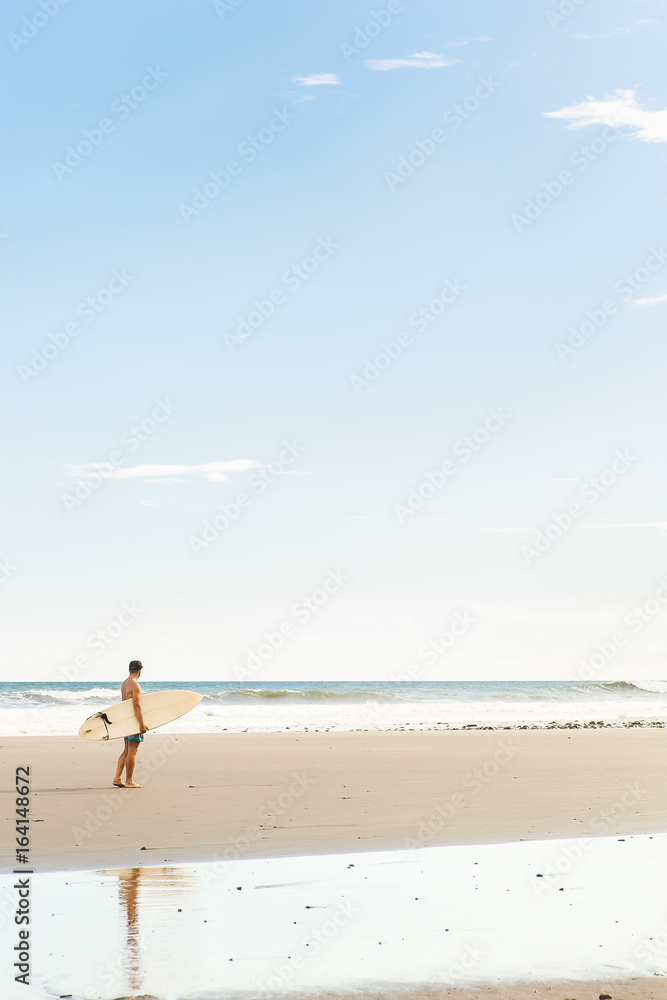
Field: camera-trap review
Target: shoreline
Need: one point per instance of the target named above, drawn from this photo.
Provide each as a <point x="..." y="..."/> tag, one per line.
<point x="289" y="794"/>
<point x="468" y="921"/>
<point x="442" y="727"/>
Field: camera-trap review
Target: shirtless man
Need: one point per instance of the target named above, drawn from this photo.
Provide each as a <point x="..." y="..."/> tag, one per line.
<point x="130" y="688"/>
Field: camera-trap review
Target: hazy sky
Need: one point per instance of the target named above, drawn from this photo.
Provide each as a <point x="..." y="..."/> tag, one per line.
<point x="334" y="307"/>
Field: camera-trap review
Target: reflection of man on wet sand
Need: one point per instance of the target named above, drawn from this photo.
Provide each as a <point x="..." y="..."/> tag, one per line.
<point x="130" y="688"/>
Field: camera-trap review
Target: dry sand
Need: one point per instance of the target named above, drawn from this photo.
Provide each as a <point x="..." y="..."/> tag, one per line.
<point x="276" y="794"/>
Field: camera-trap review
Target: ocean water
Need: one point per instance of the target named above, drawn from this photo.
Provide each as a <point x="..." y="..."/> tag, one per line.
<point x="39" y="708"/>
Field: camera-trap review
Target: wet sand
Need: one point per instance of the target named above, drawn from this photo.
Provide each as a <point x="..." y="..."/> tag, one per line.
<point x="244" y="797"/>
<point x="279" y="794"/>
<point x="654" y="988"/>
<point x="631" y="989"/>
<point x="368" y="923"/>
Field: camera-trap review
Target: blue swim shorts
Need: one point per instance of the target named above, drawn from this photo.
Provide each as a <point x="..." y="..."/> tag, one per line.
<point x="137" y="738"/>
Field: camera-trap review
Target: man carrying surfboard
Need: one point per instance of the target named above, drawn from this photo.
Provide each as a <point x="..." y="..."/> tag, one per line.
<point x="130" y="688"/>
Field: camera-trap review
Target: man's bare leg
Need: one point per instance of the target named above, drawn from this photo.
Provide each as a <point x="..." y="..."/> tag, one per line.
<point x="129" y="766"/>
<point x="121" y="764"/>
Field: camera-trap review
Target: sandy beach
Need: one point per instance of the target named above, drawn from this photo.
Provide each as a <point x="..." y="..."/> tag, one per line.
<point x="277" y="794"/>
<point x="383" y="821"/>
<point x="632" y="989"/>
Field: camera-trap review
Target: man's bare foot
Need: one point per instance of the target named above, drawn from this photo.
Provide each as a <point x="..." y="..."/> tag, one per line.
<point x="132" y="784"/>
<point x="119" y="784"/>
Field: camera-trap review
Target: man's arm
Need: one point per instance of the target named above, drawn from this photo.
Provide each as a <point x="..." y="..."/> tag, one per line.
<point x="136" y="702"/>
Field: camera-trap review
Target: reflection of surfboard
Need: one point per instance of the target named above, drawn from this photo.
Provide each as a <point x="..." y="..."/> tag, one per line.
<point x="158" y="708"/>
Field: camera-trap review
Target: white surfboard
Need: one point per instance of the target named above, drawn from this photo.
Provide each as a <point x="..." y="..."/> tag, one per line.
<point x="119" y="720"/>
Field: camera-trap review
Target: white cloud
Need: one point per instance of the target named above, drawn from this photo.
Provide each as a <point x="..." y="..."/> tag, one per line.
<point x="662" y="525"/>
<point x="617" y="110"/>
<point x="633" y="524"/>
<point x="418" y="60"/>
<point x="504" y="531"/>
<point x="147" y="503"/>
<point x="317" y="80"/>
<point x="467" y="41"/>
<point x="215" y="472"/>
<point x="616" y="32"/>
<point x="651" y="302"/>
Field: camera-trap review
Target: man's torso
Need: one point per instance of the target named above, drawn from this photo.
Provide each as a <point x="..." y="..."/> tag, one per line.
<point x="128" y="688"/>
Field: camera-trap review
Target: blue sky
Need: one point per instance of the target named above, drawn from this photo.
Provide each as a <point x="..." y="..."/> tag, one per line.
<point x="516" y="153"/>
